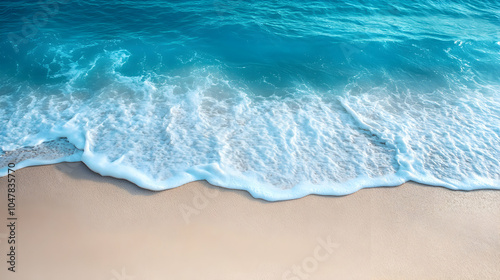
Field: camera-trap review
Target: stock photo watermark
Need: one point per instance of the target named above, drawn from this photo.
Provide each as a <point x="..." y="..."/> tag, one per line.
<point x="67" y="168"/>
<point x="122" y="275"/>
<point x="200" y="201"/>
<point x="225" y="6"/>
<point x="33" y="23"/>
<point x="348" y="50"/>
<point x="12" y="217"/>
<point x="303" y="270"/>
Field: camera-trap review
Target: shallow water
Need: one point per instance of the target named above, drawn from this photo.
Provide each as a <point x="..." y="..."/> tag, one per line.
<point x="280" y="98"/>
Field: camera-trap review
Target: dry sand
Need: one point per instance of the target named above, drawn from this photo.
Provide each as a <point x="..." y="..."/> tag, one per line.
<point x="75" y="224"/>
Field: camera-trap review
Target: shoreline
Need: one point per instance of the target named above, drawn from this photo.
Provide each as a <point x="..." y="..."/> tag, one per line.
<point x="77" y="224"/>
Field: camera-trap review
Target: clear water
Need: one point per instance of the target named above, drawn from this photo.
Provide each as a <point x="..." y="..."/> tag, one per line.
<point x="280" y="98"/>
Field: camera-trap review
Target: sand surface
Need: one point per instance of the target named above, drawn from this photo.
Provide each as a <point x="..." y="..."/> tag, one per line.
<point x="75" y="224"/>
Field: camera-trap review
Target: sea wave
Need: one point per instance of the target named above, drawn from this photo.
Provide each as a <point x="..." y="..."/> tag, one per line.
<point x="279" y="98"/>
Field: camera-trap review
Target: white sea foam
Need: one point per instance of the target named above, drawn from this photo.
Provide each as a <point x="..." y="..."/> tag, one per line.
<point x="444" y="139"/>
<point x="163" y="131"/>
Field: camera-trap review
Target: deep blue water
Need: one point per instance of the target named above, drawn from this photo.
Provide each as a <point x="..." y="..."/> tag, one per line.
<point x="280" y="98"/>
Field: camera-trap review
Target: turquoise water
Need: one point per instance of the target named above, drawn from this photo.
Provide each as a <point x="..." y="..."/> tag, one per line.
<point x="280" y="98"/>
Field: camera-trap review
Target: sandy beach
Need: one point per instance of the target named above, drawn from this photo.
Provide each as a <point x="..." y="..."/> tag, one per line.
<point x="253" y="106"/>
<point x="75" y="224"/>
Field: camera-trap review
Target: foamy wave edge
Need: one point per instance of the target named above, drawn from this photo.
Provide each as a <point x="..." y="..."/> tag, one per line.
<point x="232" y="179"/>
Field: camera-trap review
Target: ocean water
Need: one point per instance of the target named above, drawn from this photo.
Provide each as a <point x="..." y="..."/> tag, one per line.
<point x="280" y="98"/>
